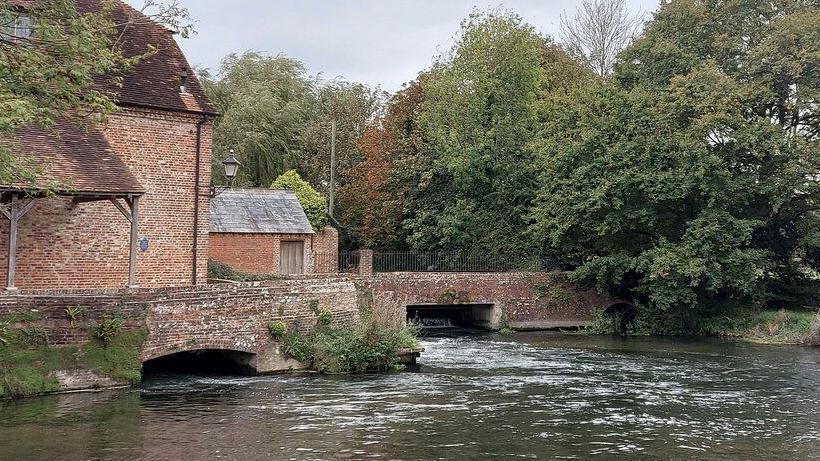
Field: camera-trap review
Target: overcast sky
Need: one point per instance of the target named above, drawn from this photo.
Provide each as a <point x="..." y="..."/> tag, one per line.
<point x="379" y="42"/>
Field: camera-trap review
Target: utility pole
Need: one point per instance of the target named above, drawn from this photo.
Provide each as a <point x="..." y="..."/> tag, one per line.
<point x="332" y="166"/>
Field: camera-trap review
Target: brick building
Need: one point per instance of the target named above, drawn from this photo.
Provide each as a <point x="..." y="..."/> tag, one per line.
<point x="266" y="231"/>
<point x="129" y="202"/>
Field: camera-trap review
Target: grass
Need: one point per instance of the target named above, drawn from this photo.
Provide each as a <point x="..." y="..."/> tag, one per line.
<point x="118" y="358"/>
<point x="764" y="326"/>
<point x="28" y="364"/>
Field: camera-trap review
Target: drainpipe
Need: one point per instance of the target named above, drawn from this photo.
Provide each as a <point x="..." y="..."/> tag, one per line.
<point x="197" y="187"/>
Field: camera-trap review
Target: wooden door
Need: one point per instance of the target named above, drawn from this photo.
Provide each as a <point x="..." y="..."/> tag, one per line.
<point x="291" y="257"/>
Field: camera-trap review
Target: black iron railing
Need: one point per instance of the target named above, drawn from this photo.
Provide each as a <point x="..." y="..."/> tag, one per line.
<point x="331" y="263"/>
<point x="457" y="261"/>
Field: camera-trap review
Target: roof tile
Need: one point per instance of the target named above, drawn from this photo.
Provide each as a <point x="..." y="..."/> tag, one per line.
<point x="258" y="211"/>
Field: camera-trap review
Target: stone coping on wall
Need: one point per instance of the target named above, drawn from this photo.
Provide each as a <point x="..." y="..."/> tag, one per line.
<point x="277" y="282"/>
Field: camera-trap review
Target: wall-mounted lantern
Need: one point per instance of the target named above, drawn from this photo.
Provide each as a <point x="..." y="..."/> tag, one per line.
<point x="232" y="166"/>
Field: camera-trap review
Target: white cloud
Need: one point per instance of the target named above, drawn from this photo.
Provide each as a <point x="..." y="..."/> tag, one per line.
<point x="377" y="42"/>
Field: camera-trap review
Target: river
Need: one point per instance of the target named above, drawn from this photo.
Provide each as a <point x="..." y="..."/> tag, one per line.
<point x="479" y="396"/>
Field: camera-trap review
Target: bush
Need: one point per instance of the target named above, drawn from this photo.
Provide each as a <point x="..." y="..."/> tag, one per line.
<point x="277" y="329"/>
<point x="296" y="347"/>
<point x="325" y="318"/>
<point x="221" y="271"/>
<point x="312" y="202"/>
<point x="108" y="329"/>
<point x="351" y="349"/>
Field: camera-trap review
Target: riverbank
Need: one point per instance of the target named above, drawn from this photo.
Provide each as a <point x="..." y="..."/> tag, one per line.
<point x="762" y="326"/>
<point x="29" y="366"/>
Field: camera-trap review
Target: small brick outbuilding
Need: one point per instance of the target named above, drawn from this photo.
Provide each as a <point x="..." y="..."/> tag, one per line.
<point x="266" y="231"/>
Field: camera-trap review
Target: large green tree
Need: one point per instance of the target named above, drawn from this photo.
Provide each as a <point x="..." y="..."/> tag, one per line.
<point x="474" y="174"/>
<point x="692" y="177"/>
<point x="54" y="60"/>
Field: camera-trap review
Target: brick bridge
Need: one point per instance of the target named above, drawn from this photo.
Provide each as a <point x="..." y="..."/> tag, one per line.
<point x="234" y="317"/>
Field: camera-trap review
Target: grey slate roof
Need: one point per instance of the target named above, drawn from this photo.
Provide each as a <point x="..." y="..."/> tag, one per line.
<point x="258" y="211"/>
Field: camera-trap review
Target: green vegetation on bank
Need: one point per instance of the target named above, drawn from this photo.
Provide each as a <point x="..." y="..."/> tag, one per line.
<point x="28" y="363"/>
<point x="364" y="347"/>
<point x="221" y="271"/>
<point x="769" y="326"/>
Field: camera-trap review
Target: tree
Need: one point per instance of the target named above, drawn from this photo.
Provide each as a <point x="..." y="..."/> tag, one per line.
<point x="312" y="202"/>
<point x="56" y="61"/>
<point x="473" y="172"/>
<point x="353" y="106"/>
<point x="265" y="103"/>
<point x="277" y="118"/>
<point x="373" y="197"/>
<point x="691" y="178"/>
<point x="599" y="30"/>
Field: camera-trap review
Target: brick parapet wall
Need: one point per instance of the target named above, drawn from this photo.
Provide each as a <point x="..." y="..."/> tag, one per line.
<point x="191" y="317"/>
<point x="63" y="244"/>
<point x="527" y="300"/>
<point x="235" y="316"/>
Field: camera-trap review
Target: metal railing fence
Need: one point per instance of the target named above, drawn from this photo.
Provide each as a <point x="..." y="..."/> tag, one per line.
<point x="458" y="261"/>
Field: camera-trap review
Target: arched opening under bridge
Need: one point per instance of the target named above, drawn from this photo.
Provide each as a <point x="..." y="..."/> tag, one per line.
<point x="481" y="316"/>
<point x="201" y="362"/>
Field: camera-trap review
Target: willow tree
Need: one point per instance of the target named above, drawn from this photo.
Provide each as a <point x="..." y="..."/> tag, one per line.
<point x="265" y="102"/>
<point x="691" y="180"/>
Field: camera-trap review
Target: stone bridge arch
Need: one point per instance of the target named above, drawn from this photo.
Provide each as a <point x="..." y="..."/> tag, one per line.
<point x="151" y="353"/>
<point x="522" y="300"/>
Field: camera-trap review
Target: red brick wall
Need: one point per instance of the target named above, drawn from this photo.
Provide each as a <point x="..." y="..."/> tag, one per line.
<point x="259" y="253"/>
<point x="67" y="245"/>
<point x="326" y="251"/>
<point x="527" y="300"/>
<point x="248" y="253"/>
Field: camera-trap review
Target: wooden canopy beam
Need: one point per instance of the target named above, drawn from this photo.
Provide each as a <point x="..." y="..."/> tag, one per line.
<point x="131" y="213"/>
<point x="14" y="213"/>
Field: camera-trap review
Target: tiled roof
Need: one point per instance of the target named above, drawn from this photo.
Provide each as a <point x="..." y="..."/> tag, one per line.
<point x="80" y="159"/>
<point x="154" y="81"/>
<point x="75" y="160"/>
<point x="258" y="211"/>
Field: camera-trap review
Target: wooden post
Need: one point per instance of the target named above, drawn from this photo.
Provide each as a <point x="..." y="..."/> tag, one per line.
<point x="132" y="214"/>
<point x="132" y="259"/>
<point x="12" y="245"/>
<point x="14" y="214"/>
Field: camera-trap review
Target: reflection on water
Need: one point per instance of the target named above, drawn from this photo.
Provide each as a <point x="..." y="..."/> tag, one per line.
<point x="487" y="396"/>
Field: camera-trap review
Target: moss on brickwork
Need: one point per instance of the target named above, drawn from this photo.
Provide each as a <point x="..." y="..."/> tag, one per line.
<point x="551" y="293"/>
<point x="28" y="365"/>
<point x="119" y="358"/>
<point x="453" y="297"/>
<point x="220" y="271"/>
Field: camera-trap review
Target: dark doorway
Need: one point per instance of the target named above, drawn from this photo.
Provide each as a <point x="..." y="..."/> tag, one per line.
<point x="481" y="316"/>
<point x="201" y="362"/>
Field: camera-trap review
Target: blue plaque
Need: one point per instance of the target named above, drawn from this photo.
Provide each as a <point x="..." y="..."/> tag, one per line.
<point x="144" y="244"/>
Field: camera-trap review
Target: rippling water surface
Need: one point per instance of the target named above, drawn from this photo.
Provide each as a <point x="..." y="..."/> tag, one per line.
<point x="488" y="396"/>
